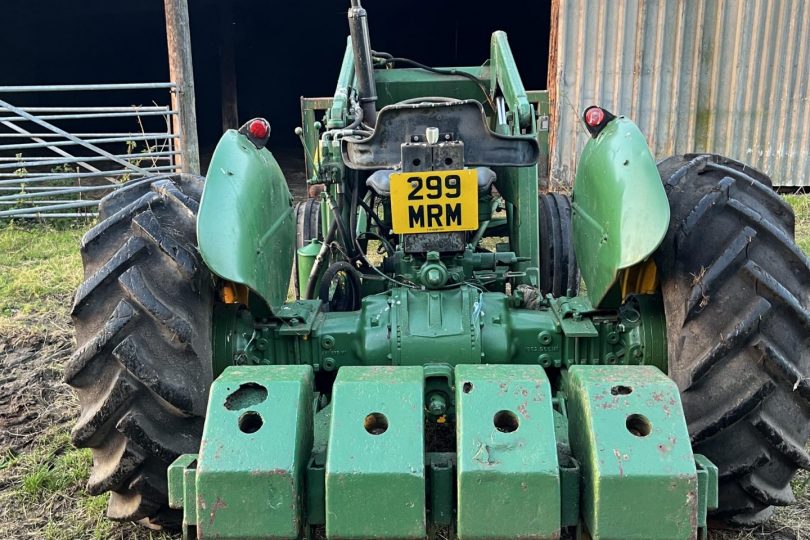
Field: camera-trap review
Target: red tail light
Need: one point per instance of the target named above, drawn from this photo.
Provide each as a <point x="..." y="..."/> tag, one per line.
<point x="594" y="116"/>
<point x="258" y="128"/>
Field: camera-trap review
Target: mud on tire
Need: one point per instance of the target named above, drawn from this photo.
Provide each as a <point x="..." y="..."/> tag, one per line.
<point x="736" y="293"/>
<point x="142" y="368"/>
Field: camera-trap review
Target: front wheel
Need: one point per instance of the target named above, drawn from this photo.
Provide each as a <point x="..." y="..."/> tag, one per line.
<point x="736" y="292"/>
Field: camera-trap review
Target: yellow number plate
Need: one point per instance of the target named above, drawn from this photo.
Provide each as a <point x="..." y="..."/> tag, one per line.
<point x="434" y="201"/>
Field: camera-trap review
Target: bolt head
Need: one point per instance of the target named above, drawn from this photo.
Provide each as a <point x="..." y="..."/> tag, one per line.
<point x="434" y="277"/>
<point x="437" y="405"/>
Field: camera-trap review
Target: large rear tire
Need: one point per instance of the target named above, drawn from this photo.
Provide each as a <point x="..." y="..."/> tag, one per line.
<point x="307" y="227"/>
<point x="559" y="272"/>
<point x="142" y="368"/>
<point x="736" y="293"/>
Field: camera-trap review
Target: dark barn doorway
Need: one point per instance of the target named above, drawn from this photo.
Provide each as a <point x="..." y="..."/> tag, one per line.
<point x="281" y="50"/>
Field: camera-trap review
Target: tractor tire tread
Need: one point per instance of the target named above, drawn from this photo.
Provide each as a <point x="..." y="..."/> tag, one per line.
<point x="307" y="227"/>
<point x="736" y="290"/>
<point x="559" y="272"/>
<point x="142" y="366"/>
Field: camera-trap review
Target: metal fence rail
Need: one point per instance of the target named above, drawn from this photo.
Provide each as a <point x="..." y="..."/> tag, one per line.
<point x="61" y="151"/>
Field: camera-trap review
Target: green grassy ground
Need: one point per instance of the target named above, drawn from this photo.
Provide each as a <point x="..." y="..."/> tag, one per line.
<point x="39" y="270"/>
<point x="42" y="476"/>
<point x="801" y="207"/>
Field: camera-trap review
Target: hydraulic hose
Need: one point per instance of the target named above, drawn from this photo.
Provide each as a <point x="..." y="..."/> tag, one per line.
<point x="353" y="214"/>
<point x="452" y="71"/>
<point x="316" y="266"/>
<point x="341" y="227"/>
<point x="338" y="227"/>
<point x="351" y="301"/>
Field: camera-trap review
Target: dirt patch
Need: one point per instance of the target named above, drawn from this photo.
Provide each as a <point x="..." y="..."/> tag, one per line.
<point x="33" y="398"/>
<point x="42" y="476"/>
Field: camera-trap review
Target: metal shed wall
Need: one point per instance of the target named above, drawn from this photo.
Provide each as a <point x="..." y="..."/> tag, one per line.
<point x="730" y="77"/>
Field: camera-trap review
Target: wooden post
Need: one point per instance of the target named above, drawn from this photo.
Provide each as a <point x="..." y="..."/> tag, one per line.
<point x="181" y="71"/>
<point x="553" y="99"/>
<point x="227" y="66"/>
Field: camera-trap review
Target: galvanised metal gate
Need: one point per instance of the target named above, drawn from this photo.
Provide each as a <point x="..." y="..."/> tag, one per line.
<point x="58" y="160"/>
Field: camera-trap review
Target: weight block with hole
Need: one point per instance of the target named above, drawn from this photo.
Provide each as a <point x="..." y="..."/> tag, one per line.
<point x="508" y="474"/>
<point x="254" y="452"/>
<point x="375" y="463"/>
<point x="628" y="432"/>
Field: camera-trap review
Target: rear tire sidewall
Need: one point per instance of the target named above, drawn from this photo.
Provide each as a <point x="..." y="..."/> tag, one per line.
<point x="732" y="281"/>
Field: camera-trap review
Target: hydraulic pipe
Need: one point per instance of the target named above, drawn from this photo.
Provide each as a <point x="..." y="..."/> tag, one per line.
<point x="363" y="65"/>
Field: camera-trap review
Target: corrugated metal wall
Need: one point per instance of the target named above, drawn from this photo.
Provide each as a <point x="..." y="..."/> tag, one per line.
<point x="731" y="77"/>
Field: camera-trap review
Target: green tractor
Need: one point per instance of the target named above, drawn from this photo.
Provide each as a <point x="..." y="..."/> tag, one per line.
<point x="440" y="372"/>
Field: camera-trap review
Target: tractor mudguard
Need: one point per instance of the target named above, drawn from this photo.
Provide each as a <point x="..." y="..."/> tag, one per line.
<point x="246" y="228"/>
<point x="620" y="209"/>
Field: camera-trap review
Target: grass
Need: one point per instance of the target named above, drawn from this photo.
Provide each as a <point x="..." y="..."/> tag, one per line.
<point x="42" y="492"/>
<point x="50" y="479"/>
<point x="45" y="488"/>
<point x="801" y="207"/>
<point x="42" y="479"/>
<point x="39" y="272"/>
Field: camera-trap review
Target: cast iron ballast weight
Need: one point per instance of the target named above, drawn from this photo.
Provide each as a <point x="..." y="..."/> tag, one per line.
<point x="439" y="374"/>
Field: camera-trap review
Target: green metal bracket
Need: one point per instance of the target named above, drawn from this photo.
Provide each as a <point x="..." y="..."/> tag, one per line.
<point x="249" y="478"/>
<point x="507" y="454"/>
<point x="395" y="85"/>
<point x="311" y="134"/>
<point x="182" y="489"/>
<point x="570" y="474"/>
<point x="441" y="480"/>
<point x="506" y="75"/>
<point x="629" y="434"/>
<point x="375" y="465"/>
<point x="316" y="494"/>
<point x="316" y="469"/>
<point x="571" y="312"/>
<point x="336" y="117"/>
<point x="707" y="487"/>
<point x="519" y="187"/>
<point x="539" y="98"/>
<point x="298" y="317"/>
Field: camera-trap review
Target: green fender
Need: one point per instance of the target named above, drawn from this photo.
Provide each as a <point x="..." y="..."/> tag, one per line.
<point x="620" y="208"/>
<point x="245" y="226"/>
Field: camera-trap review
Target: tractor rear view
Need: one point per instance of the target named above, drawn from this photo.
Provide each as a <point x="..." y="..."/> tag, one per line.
<point x="439" y="374"/>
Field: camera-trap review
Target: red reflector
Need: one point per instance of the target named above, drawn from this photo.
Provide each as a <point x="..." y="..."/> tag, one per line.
<point x="258" y="129"/>
<point x="594" y="116"/>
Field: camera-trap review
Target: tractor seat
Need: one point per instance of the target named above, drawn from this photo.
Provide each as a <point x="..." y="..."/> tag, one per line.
<point x="380" y="181"/>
